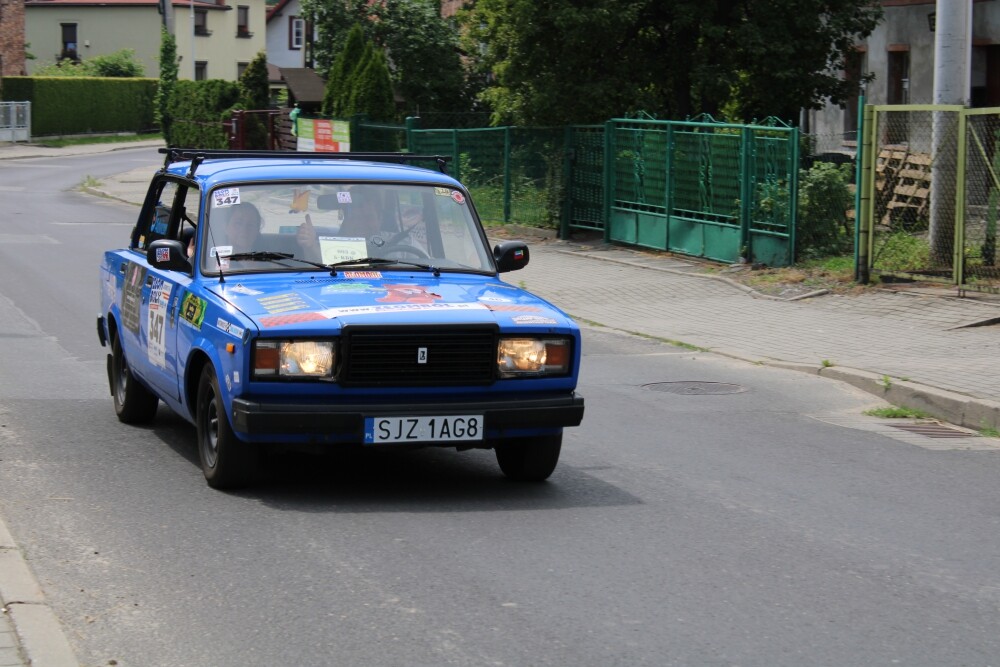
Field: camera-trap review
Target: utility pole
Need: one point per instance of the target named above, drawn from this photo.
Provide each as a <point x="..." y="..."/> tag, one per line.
<point x="952" y="66"/>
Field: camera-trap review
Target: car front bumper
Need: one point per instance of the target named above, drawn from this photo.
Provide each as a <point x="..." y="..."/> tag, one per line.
<point x="346" y="422"/>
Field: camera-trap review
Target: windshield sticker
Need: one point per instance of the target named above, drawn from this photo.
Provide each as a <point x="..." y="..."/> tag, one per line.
<point x="135" y="276"/>
<point x="220" y="251"/>
<point x="457" y="197"/>
<point x="280" y="303"/>
<point x="362" y="274"/>
<point x="243" y="289"/>
<point x="193" y="310"/>
<point x="408" y="294"/>
<point x="225" y="197"/>
<point x="229" y="328"/>
<point x="344" y="197"/>
<point x="333" y="249"/>
<point x="442" y="192"/>
<point x="534" y="319"/>
<point x="159" y="298"/>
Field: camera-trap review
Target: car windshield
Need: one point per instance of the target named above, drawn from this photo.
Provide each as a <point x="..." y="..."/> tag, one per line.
<point x="248" y="227"/>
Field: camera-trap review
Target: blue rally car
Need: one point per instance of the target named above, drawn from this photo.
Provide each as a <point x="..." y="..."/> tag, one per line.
<point x="331" y="299"/>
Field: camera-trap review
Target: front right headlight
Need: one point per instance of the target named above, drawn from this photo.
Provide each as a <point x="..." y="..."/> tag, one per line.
<point x="530" y="356"/>
<point x="294" y="359"/>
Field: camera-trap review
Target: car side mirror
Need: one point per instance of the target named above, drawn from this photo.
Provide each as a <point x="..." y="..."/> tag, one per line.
<point x="510" y="255"/>
<point x="169" y="255"/>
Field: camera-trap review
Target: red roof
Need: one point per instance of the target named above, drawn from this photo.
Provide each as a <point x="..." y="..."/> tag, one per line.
<point x="121" y="3"/>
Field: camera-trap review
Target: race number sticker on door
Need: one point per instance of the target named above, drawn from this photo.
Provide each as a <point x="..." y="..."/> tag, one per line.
<point x="159" y="298"/>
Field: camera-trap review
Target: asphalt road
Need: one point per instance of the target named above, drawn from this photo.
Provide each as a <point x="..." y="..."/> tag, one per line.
<point x="717" y="529"/>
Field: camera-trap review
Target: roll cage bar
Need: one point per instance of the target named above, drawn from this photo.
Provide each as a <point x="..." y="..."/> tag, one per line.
<point x="197" y="156"/>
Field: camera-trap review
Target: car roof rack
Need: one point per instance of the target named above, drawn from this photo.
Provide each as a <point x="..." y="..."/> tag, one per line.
<point x="198" y="155"/>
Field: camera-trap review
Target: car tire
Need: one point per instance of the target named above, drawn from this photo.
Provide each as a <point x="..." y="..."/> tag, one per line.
<point x="529" y="459"/>
<point x="227" y="461"/>
<point x="134" y="404"/>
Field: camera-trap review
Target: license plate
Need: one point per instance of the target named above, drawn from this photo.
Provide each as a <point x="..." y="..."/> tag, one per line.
<point x="453" y="428"/>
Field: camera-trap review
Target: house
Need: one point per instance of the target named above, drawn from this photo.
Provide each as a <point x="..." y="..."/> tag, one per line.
<point x="286" y="35"/>
<point x="214" y="40"/>
<point x="900" y="55"/>
<point x="12" y="38"/>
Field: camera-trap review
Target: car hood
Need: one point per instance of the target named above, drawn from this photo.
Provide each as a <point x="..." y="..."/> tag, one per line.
<point x="311" y="303"/>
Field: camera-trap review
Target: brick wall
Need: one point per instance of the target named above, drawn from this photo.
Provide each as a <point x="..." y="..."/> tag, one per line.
<point x="12" y="38"/>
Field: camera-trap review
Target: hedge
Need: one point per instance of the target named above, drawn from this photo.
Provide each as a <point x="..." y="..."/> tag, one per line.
<point x="83" y="105"/>
<point x="198" y="109"/>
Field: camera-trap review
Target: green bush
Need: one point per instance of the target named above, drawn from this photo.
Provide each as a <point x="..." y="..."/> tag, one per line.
<point x="823" y="227"/>
<point x="121" y="64"/>
<point x="198" y="109"/>
<point x="901" y="252"/>
<point x="85" y="105"/>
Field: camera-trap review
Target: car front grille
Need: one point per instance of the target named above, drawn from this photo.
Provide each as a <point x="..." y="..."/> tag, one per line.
<point x="390" y="356"/>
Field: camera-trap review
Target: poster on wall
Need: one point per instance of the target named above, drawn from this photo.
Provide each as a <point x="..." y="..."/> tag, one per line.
<point x="322" y="135"/>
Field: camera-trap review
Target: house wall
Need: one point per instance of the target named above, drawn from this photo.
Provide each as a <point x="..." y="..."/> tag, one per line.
<point x="278" y="52"/>
<point x="904" y="29"/>
<point x="12" y="38"/>
<point x="106" y="29"/>
<point x="222" y="50"/>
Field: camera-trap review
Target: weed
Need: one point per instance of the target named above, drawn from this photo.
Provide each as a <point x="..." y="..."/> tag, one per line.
<point x="988" y="431"/>
<point x="90" y="182"/>
<point x="885" y="381"/>
<point x="900" y="412"/>
<point x="62" y="142"/>
<point x="827" y="363"/>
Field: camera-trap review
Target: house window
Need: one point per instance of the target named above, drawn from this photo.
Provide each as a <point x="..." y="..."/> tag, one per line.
<point x="68" y="42"/>
<point x="296" y="32"/>
<point x="240" y="68"/>
<point x="898" y="77"/>
<point x="201" y="22"/>
<point x="200" y="70"/>
<point x="243" y="21"/>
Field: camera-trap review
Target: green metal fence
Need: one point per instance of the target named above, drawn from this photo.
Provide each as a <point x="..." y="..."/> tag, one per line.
<point x="714" y="190"/>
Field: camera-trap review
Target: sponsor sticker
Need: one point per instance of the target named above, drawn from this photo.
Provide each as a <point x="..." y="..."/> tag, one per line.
<point x="193" y="310"/>
<point x="533" y="319"/>
<point x="229" y="328"/>
<point x="225" y="197"/>
<point x="281" y="303"/>
<point x="162" y="254"/>
<point x="243" y="289"/>
<point x="362" y="274"/>
<point x="344" y="197"/>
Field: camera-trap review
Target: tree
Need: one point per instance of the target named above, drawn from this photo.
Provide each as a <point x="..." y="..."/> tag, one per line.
<point x="255" y="95"/>
<point x="340" y="72"/>
<point x="372" y="93"/>
<point x="752" y="58"/>
<point x="168" y="81"/>
<point x="421" y="48"/>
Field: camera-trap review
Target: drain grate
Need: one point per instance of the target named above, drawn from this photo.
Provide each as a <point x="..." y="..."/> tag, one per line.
<point x="935" y="430"/>
<point x="695" y="388"/>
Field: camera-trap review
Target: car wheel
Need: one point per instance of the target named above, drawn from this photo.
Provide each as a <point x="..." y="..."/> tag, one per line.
<point x="227" y="461"/>
<point x="134" y="404"/>
<point x="529" y="459"/>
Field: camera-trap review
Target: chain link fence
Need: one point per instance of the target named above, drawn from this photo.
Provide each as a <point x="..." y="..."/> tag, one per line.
<point x="934" y="195"/>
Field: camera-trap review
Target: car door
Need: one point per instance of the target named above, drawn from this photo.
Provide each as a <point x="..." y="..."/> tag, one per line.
<point x="162" y="290"/>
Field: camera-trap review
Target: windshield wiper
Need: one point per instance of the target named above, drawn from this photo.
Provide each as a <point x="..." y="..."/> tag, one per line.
<point x="381" y="261"/>
<point x="268" y="256"/>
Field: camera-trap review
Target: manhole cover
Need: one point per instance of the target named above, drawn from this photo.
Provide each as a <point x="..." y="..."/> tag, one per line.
<point x="694" y="388"/>
<point x="935" y="430"/>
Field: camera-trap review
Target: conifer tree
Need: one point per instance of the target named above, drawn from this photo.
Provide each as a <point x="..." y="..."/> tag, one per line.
<point x="341" y="71"/>
<point x="168" y="81"/>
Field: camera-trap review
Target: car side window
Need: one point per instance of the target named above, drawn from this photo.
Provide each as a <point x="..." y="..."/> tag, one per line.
<point x="158" y="220"/>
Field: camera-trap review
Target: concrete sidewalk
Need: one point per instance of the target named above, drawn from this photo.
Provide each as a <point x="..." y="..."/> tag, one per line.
<point x="926" y="350"/>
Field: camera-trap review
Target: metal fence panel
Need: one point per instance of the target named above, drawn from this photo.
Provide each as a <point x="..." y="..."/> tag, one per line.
<point x="15" y="121"/>
<point x="914" y="174"/>
<point x="981" y="201"/>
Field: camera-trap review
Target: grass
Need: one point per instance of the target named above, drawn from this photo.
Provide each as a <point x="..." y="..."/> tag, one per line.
<point x="62" y="142"/>
<point x="989" y="432"/>
<point x="897" y="412"/>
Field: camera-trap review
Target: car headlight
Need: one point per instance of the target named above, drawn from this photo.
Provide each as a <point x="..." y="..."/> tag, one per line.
<point x="532" y="357"/>
<point x="294" y="359"/>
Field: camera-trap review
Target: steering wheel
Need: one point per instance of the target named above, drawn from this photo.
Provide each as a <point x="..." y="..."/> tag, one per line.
<point x="403" y="249"/>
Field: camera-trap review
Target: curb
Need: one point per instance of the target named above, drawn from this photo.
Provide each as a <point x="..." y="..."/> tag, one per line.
<point x="39" y="634"/>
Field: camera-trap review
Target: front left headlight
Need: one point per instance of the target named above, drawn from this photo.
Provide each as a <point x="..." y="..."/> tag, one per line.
<point x="294" y="359"/>
<point x="526" y="356"/>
